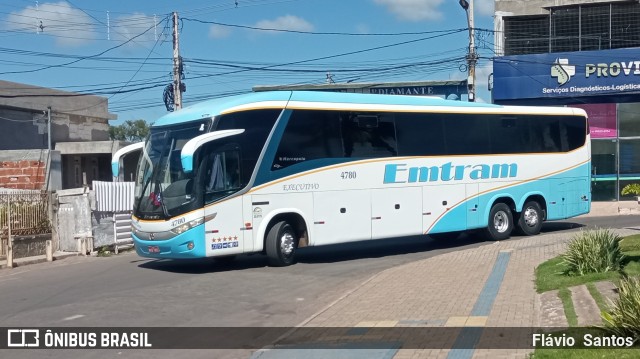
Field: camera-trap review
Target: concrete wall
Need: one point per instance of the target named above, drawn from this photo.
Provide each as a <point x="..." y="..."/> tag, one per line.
<point x="29" y="246"/>
<point x="73" y="217"/>
<point x="74" y="117"/>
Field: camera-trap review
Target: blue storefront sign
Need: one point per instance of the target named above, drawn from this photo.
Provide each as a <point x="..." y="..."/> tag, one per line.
<point x="567" y="74"/>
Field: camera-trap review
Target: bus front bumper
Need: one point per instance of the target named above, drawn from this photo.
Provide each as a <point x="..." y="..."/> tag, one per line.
<point x="190" y="244"/>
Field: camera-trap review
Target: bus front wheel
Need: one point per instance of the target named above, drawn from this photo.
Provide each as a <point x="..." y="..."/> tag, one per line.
<point x="500" y="222"/>
<point x="530" y="221"/>
<point x="281" y="245"/>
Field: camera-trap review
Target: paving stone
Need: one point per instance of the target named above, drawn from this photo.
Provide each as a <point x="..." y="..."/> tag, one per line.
<point x="585" y="306"/>
<point x="443" y="290"/>
<point x="551" y="310"/>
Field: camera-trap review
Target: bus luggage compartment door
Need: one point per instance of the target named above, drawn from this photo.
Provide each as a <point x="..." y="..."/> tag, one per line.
<point x="341" y="216"/>
<point x="396" y="212"/>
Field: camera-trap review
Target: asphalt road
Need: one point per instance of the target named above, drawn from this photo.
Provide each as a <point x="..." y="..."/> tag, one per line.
<point x="126" y="290"/>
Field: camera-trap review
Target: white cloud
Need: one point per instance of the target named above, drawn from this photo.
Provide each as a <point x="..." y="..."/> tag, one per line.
<point x="68" y="25"/>
<point x="287" y="22"/>
<point x="484" y="7"/>
<point x="127" y="27"/>
<point x="413" y="10"/>
<point x="218" y="31"/>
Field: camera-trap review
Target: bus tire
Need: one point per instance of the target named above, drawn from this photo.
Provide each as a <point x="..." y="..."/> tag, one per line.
<point x="530" y="219"/>
<point x="281" y="245"/>
<point x="500" y="222"/>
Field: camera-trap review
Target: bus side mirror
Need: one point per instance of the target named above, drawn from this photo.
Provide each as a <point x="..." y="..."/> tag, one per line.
<point x="190" y="148"/>
<point x="115" y="160"/>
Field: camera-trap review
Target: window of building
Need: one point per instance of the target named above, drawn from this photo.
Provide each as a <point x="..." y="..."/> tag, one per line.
<point x="526" y="35"/>
<point x="580" y="27"/>
<point x="629" y="117"/>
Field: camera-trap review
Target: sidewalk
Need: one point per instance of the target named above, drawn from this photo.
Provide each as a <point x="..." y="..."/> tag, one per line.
<point x="489" y="286"/>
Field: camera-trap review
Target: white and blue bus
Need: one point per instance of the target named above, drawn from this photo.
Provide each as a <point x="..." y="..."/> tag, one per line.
<point x="275" y="171"/>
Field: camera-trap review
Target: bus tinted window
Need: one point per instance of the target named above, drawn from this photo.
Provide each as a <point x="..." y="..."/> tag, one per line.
<point x="257" y="125"/>
<point x="309" y="135"/>
<point x="366" y="135"/>
<point x="469" y="134"/>
<point x="509" y="134"/>
<point x="466" y="134"/>
<point x="420" y="134"/>
<point x="312" y="135"/>
<point x="331" y="134"/>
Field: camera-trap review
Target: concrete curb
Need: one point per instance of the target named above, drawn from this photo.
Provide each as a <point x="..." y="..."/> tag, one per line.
<point x="19" y="262"/>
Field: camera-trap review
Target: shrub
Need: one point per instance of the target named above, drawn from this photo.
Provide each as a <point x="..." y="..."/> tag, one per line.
<point x="632" y="189"/>
<point x="623" y="318"/>
<point x="593" y="251"/>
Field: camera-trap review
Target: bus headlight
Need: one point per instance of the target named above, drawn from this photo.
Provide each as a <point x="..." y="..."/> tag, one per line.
<point x="187" y="226"/>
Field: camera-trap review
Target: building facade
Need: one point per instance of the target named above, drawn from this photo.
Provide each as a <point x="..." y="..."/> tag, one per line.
<point x="582" y="54"/>
<point x="76" y="138"/>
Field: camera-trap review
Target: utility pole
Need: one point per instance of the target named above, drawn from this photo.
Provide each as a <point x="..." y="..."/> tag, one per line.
<point x="472" y="57"/>
<point x="177" y="66"/>
<point x="49" y="128"/>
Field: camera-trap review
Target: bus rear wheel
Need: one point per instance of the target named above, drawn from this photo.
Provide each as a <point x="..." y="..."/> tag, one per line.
<point x="281" y="245"/>
<point x="530" y="221"/>
<point x="500" y="222"/>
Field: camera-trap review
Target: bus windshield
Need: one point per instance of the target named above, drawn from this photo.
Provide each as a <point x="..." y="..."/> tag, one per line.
<point x="163" y="189"/>
<point x="221" y="168"/>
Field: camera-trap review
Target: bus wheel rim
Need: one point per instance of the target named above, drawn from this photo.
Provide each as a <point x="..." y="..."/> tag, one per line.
<point x="500" y="222"/>
<point x="530" y="217"/>
<point x="286" y="244"/>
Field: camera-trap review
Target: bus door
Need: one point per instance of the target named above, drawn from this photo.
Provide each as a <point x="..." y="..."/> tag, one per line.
<point x="224" y="229"/>
<point x="473" y="206"/>
<point x="575" y="193"/>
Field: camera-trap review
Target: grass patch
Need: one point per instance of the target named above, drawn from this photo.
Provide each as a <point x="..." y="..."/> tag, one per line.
<point x="579" y="351"/>
<point x="569" y="311"/>
<point x="584" y="353"/>
<point x="630" y="243"/>
<point x="550" y="274"/>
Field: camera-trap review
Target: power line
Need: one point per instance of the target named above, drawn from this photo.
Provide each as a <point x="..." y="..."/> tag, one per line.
<point x="314" y="32"/>
<point x="83" y="58"/>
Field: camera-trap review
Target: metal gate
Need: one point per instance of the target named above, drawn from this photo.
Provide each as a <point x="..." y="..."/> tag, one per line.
<point x="117" y="198"/>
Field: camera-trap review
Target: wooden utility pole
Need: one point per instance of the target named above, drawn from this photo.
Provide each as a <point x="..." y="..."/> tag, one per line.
<point x="177" y="66"/>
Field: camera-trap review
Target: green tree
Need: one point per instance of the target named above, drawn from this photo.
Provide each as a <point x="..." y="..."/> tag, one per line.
<point x="130" y="131"/>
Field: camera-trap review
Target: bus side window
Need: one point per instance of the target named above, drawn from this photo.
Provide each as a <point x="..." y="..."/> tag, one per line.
<point x="309" y="135"/>
<point x="368" y="135"/>
<point x="222" y="174"/>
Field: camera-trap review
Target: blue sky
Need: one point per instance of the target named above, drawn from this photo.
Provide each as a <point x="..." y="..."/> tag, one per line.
<point x="61" y="44"/>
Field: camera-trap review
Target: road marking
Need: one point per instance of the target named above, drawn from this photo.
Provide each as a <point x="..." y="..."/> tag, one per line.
<point x="469" y="336"/>
<point x="73" y="317"/>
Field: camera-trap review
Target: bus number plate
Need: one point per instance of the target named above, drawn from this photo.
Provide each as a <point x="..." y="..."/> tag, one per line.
<point x="154" y="249"/>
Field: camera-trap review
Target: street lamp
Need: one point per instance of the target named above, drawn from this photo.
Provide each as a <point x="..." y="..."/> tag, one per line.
<point x="472" y="58"/>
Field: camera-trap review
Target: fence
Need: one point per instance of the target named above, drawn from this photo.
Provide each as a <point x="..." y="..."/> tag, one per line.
<point x="115" y="199"/>
<point x="23" y="213"/>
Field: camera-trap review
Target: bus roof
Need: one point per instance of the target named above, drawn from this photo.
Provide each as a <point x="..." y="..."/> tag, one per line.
<point x="338" y="100"/>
